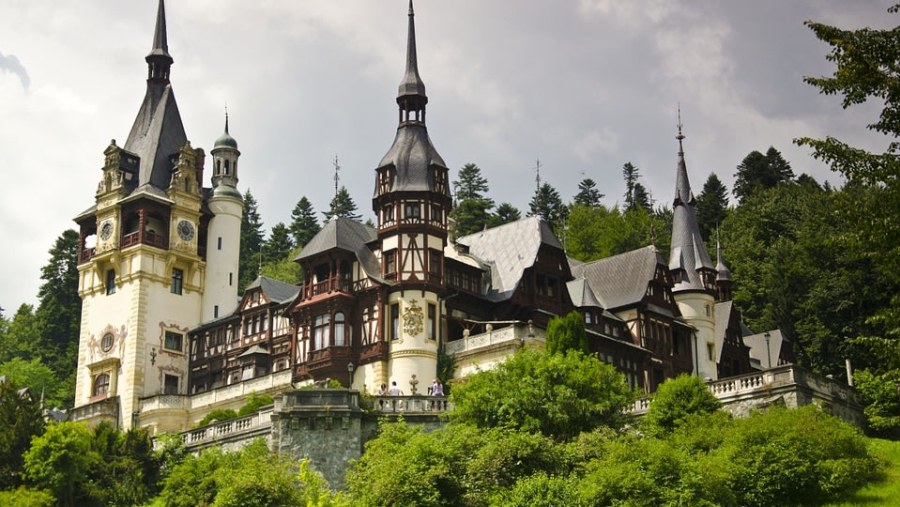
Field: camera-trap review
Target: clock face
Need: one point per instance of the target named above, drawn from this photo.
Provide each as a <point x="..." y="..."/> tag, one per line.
<point x="106" y="230"/>
<point x="185" y="230"/>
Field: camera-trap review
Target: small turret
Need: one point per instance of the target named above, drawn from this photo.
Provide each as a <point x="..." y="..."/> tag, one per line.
<point x="723" y="275"/>
<point x="225" y="164"/>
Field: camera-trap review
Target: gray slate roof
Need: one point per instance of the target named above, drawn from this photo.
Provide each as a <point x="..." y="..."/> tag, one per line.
<point x="723" y="315"/>
<point x="688" y="252"/>
<point x="758" y="346"/>
<point x="581" y="294"/>
<point x="621" y="280"/>
<point x="509" y="249"/>
<point x="411" y="84"/>
<point x="276" y="290"/>
<point x="349" y="235"/>
<point x="412" y="154"/>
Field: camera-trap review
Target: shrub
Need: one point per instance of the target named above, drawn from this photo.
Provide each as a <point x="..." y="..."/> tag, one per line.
<point x="675" y="400"/>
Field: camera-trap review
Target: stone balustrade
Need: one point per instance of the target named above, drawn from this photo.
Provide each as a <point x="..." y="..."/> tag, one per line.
<point x="412" y="404"/>
<point x="265" y="383"/>
<point x="244" y="428"/>
<point x="517" y="333"/>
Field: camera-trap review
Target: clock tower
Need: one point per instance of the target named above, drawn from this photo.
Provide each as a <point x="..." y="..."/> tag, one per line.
<point x="143" y="258"/>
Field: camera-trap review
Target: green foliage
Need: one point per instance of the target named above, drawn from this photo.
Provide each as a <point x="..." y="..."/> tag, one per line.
<point x="59" y="311"/>
<point x="786" y="457"/>
<point x="254" y="403"/>
<point x="712" y="206"/>
<point x="588" y="195"/>
<point x="472" y="211"/>
<point x="597" y="232"/>
<point x="37" y="377"/>
<point x="342" y="205"/>
<point x="880" y="397"/>
<point x="566" y="333"/>
<point x="20" y="421"/>
<point x="279" y="245"/>
<point x="285" y="270"/>
<point x="554" y="394"/>
<point x="758" y="172"/>
<point x="675" y="400"/>
<point x="251" y="242"/>
<point x="218" y="415"/>
<point x="61" y="461"/>
<point x="18" y="337"/>
<point x="538" y="490"/>
<point x="304" y="224"/>
<point x="636" y="195"/>
<point x="547" y="204"/>
<point x="24" y="497"/>
<point x="504" y="214"/>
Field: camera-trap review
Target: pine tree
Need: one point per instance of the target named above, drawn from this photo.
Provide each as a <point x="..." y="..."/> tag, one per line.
<point x="304" y="224"/>
<point x="505" y="214"/>
<point x="472" y="211"/>
<point x="251" y="241"/>
<point x="59" y="312"/>
<point x="712" y="205"/>
<point x="342" y="205"/>
<point x="636" y="195"/>
<point x="547" y="204"/>
<point x="758" y="172"/>
<point x="588" y="194"/>
<point x="279" y="245"/>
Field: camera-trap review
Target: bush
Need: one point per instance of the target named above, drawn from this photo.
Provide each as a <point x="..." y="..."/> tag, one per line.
<point x="23" y="497"/>
<point x="254" y="403"/>
<point x="675" y="400"/>
<point x="218" y="415"/>
<point x="539" y="490"/>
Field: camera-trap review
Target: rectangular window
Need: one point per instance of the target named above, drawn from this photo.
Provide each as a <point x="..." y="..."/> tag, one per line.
<point x="171" y="384"/>
<point x="220" y="242"/>
<point x="320" y="331"/>
<point x="711" y="351"/>
<point x="216" y="311"/>
<point x="177" y="281"/>
<point x="174" y="341"/>
<point x="230" y="279"/>
<point x="436" y="213"/>
<point x="413" y="210"/>
<point x="432" y="321"/>
<point x="110" y="281"/>
<point x="434" y="262"/>
<point x="395" y="321"/>
<point x="390" y="262"/>
<point x="389" y="213"/>
<point x="541" y="285"/>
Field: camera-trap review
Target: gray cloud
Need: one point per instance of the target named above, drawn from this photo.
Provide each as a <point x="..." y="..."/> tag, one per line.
<point x="12" y="64"/>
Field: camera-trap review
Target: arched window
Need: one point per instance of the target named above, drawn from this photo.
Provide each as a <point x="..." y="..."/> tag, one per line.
<point x="101" y="385"/>
<point x="339" y="336"/>
<point x="227" y="167"/>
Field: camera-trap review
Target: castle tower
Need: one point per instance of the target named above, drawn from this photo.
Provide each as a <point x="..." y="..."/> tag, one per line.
<point x="724" y="283"/>
<point x="692" y="271"/>
<point x="140" y="269"/>
<point x="411" y="203"/>
<point x="223" y="240"/>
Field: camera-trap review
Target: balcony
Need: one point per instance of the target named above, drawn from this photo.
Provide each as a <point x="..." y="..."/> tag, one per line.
<point x="327" y="286"/>
<point x="147" y="238"/>
<point x="97" y="412"/>
<point x="409" y="405"/>
<point x="377" y="351"/>
<point x="245" y="428"/>
<point x="517" y="334"/>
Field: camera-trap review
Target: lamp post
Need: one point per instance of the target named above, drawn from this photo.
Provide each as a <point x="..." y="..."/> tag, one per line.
<point x="350" y="368"/>
<point x="768" y="350"/>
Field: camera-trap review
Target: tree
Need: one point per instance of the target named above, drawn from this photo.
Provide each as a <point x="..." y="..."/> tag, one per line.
<point x="712" y="205"/>
<point x="566" y="333"/>
<point x="758" y="172"/>
<point x="675" y="400"/>
<point x="342" y="205"/>
<point x="19" y="338"/>
<point x="504" y="214"/>
<point x="636" y="195"/>
<point x="20" y="421"/>
<point x="304" y="224"/>
<point x="279" y="245"/>
<point x="547" y="204"/>
<point x="251" y="242"/>
<point x="59" y="311"/>
<point x="588" y="195"/>
<point x="61" y="460"/>
<point x="472" y="211"/>
<point x="37" y="377"/>
<point x="559" y="395"/>
<point x="865" y="68"/>
<point x="597" y="232"/>
<point x="285" y="269"/>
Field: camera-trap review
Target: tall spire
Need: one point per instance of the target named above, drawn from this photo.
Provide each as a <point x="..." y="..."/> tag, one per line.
<point x="411" y="94"/>
<point x="687" y="255"/>
<point x="159" y="59"/>
<point x="723" y="273"/>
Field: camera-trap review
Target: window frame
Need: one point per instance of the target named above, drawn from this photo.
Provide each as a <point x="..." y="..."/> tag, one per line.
<point x="177" y="286"/>
<point x="174" y="335"/>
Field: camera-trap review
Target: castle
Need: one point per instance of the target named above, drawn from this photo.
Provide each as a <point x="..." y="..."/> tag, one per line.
<point x="166" y="338"/>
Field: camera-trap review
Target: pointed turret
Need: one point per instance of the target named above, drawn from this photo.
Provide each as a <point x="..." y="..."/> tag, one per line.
<point x="157" y="133"/>
<point x="723" y="275"/>
<point x="689" y="261"/>
<point x="225" y="164"/>
<point x="412" y="87"/>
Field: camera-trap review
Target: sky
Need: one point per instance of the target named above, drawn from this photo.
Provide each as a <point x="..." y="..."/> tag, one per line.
<point x="584" y="86"/>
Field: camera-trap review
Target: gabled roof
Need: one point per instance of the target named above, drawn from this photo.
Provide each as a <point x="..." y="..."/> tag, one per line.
<point x="621" y="280"/>
<point x="276" y="290"/>
<point x="510" y="249"/>
<point x="348" y="235"/>
<point x="760" y="349"/>
<point x="581" y="294"/>
<point x="723" y="317"/>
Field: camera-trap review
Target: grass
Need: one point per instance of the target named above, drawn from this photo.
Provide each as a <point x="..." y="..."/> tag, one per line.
<point x="886" y="492"/>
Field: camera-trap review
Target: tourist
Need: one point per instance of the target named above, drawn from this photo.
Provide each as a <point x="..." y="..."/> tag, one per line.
<point x="394" y="390"/>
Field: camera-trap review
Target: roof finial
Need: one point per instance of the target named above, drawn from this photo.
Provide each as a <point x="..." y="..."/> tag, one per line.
<point x="337" y="178"/>
<point x="680" y="135"/>
<point x="159" y="59"/>
<point x="226" y="118"/>
<point x="412" y="84"/>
